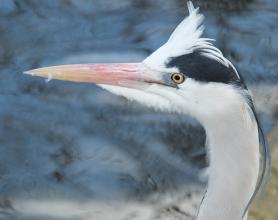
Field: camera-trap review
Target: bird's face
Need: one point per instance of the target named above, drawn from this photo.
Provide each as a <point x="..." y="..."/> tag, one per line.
<point x="185" y="75"/>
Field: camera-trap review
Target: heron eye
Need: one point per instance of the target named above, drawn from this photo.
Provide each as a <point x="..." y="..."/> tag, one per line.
<point x="178" y="78"/>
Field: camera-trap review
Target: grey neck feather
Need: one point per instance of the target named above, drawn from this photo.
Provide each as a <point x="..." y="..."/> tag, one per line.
<point x="233" y="149"/>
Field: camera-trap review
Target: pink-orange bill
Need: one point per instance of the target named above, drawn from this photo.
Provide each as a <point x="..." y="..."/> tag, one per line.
<point x="119" y="74"/>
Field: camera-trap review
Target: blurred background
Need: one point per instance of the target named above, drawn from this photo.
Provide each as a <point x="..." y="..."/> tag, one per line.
<point x="74" y="151"/>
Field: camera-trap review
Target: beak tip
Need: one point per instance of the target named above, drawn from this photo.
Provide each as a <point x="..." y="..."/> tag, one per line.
<point x="28" y="72"/>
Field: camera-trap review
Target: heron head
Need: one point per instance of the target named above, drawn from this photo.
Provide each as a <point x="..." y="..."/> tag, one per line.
<point x="186" y="75"/>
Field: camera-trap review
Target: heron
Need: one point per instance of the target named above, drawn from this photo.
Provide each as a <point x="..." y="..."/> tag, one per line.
<point x="189" y="75"/>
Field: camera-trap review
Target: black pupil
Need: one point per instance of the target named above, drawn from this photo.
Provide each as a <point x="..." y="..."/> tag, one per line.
<point x="177" y="77"/>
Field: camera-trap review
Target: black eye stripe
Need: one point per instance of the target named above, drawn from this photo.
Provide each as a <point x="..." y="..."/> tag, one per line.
<point x="201" y="68"/>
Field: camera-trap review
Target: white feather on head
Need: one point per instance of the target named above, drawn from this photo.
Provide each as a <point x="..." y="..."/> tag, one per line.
<point x="185" y="39"/>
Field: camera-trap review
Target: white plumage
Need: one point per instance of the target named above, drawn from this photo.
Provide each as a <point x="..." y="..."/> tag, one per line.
<point x="233" y="141"/>
<point x="184" y="40"/>
<point x="210" y="90"/>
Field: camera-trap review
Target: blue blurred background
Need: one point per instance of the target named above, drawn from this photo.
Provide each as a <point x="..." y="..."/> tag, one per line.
<point x="74" y="151"/>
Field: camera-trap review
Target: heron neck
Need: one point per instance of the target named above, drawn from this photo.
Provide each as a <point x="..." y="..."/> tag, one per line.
<point x="233" y="150"/>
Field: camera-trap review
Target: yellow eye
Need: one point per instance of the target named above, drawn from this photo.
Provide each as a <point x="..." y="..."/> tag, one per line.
<point x="178" y="78"/>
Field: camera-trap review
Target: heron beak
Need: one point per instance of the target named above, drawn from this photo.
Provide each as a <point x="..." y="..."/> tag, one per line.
<point x="129" y="75"/>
